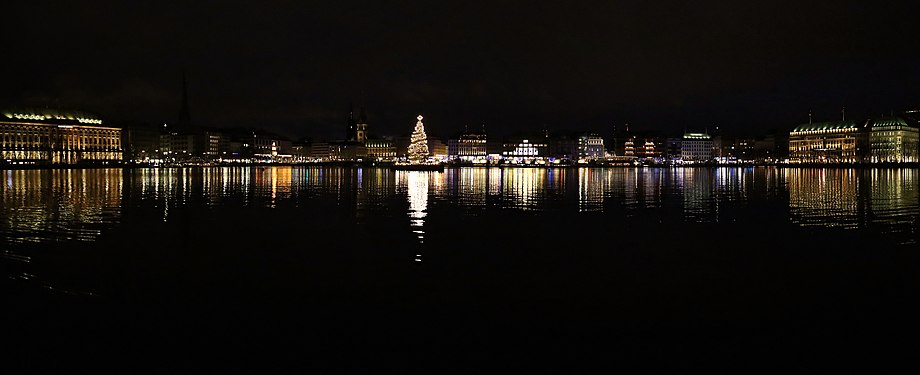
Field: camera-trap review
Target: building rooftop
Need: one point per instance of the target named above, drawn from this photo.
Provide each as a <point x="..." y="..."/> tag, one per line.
<point x="55" y="116"/>
<point x="831" y="125"/>
<point x="697" y="136"/>
<point x="889" y="121"/>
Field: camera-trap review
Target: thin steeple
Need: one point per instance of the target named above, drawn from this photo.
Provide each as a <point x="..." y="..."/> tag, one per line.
<point x="351" y="127"/>
<point x="362" y="116"/>
<point x="185" y="116"/>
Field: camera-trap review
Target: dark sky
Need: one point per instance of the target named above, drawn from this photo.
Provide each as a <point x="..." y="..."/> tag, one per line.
<point x="293" y="66"/>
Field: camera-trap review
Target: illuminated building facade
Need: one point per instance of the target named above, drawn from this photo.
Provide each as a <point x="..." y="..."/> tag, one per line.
<point x="175" y="146"/>
<point x="212" y="144"/>
<point x="827" y="142"/>
<point x="629" y="146"/>
<point x="892" y="140"/>
<point x="650" y="149"/>
<point x="380" y="149"/>
<point x="591" y="147"/>
<point x="468" y="147"/>
<point x="271" y="148"/>
<point x="322" y="151"/>
<point x="57" y="137"/>
<point x="338" y="151"/>
<point x="696" y="148"/>
<point x="524" y="150"/>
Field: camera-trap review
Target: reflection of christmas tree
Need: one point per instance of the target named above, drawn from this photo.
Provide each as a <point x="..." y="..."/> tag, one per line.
<point x="418" y="146"/>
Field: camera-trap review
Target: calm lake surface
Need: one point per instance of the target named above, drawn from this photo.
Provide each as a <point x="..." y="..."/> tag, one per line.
<point x="359" y="270"/>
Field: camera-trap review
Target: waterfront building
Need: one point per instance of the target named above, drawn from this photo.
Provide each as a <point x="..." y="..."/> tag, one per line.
<point x="629" y="146"/>
<point x="520" y="150"/>
<point x="651" y="149"/>
<point x="647" y="146"/>
<point x="380" y="149"/>
<point x="196" y="144"/>
<point x="696" y="148"/>
<point x="349" y="151"/>
<point x="177" y="146"/>
<point x="731" y="150"/>
<point x="672" y="148"/>
<point x="828" y="142"/>
<point x="437" y="148"/>
<point x="469" y="147"/>
<point x="57" y="137"/>
<point x="300" y="151"/>
<point x="591" y="147"/>
<point x="212" y="144"/>
<point x="322" y="151"/>
<point x="267" y="147"/>
<point x="892" y="140"/>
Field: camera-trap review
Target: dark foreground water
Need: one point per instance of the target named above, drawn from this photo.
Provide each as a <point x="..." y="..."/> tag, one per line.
<point x="470" y="270"/>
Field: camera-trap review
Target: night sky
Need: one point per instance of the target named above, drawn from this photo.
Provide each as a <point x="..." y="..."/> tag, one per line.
<point x="294" y="66"/>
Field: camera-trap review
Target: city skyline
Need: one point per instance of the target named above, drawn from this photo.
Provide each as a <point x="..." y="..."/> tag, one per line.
<point x="292" y="68"/>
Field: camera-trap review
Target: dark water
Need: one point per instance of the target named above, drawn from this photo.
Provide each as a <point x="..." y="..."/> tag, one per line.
<point x="364" y="270"/>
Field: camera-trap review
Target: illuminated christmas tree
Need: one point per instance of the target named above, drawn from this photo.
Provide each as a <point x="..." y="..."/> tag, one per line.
<point x="418" y="146"/>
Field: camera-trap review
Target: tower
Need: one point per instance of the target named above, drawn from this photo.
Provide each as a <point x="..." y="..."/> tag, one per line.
<point x="185" y="117"/>
<point x="361" y="126"/>
<point x="351" y="127"/>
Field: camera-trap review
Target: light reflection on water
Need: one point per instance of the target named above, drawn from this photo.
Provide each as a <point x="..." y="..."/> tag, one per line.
<point x="81" y="205"/>
<point x="415" y="184"/>
<point x="885" y="200"/>
<point x="59" y="205"/>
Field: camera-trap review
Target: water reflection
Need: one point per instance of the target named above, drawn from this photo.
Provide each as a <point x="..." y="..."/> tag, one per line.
<point x="416" y="185"/>
<point x="591" y="186"/>
<point x="825" y="197"/>
<point x="885" y="200"/>
<point x="81" y="205"/>
<point x="59" y="205"/>
<point x="523" y="187"/>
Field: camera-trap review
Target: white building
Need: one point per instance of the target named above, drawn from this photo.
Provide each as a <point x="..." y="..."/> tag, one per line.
<point x="590" y="147"/>
<point x="696" y="148"/>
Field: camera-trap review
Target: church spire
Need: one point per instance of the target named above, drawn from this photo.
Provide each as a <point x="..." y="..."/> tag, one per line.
<point x="351" y="127"/>
<point x="362" y="116"/>
<point x="185" y="116"/>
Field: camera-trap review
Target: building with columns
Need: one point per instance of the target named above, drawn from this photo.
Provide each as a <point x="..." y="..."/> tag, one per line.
<point x="45" y="136"/>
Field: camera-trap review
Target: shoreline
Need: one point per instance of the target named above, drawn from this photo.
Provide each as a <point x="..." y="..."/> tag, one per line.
<point x="455" y="166"/>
